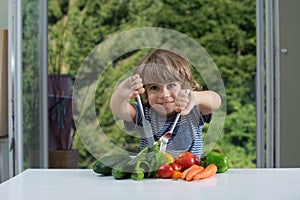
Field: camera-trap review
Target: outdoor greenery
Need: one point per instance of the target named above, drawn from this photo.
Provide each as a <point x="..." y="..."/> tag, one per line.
<point x="225" y="28"/>
<point x="31" y="46"/>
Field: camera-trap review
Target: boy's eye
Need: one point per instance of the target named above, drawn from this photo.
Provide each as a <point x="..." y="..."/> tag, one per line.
<point x="172" y="85"/>
<point x="153" y="87"/>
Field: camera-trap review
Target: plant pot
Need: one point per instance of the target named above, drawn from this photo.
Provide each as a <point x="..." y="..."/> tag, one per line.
<point x="63" y="158"/>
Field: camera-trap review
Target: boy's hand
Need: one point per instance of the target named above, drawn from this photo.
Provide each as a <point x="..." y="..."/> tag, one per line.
<point x="131" y="87"/>
<point x="136" y="86"/>
<point x="185" y="102"/>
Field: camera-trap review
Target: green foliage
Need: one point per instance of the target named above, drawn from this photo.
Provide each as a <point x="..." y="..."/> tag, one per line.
<point x="225" y="28"/>
<point x="86" y="160"/>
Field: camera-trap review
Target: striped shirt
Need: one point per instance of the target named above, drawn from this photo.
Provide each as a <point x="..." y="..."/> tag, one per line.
<point x="187" y="135"/>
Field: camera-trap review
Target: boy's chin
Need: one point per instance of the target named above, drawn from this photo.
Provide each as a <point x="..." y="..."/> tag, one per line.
<point x="162" y="110"/>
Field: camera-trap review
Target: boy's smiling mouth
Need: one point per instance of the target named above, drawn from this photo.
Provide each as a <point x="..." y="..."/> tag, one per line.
<point x="165" y="102"/>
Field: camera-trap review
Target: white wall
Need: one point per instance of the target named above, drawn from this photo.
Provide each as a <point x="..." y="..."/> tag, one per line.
<point x="3" y="14"/>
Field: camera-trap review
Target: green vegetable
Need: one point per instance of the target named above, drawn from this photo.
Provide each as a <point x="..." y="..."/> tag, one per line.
<point x="140" y="168"/>
<point x="158" y="159"/>
<point x="100" y="168"/>
<point x="146" y="163"/>
<point x="120" y="170"/>
<point x="105" y="164"/>
<point x="143" y="165"/>
<point x="220" y="160"/>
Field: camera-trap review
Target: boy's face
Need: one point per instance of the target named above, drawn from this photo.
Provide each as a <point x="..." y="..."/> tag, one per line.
<point x="162" y="97"/>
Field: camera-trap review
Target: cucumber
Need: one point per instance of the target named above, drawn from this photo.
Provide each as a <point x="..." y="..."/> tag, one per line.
<point x="121" y="170"/>
<point x="105" y="164"/>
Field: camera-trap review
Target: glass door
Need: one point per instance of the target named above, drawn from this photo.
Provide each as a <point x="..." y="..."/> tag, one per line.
<point x="28" y="84"/>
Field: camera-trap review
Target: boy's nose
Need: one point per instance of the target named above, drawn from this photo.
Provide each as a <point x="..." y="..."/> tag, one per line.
<point x="165" y="92"/>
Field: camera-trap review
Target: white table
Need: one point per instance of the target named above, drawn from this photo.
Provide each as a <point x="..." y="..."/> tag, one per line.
<point x="84" y="184"/>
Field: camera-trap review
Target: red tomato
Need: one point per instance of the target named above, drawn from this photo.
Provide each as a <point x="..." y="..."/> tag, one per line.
<point x="176" y="167"/>
<point x="165" y="171"/>
<point x="185" y="159"/>
<point x="197" y="160"/>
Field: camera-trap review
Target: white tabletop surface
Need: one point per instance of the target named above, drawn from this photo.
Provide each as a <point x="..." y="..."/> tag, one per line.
<point x="65" y="184"/>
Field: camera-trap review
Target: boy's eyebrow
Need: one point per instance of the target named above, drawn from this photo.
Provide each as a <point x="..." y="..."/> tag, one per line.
<point x="161" y="84"/>
<point x="150" y="84"/>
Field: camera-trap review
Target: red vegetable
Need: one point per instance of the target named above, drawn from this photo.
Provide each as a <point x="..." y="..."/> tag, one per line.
<point x="165" y="171"/>
<point x="197" y="160"/>
<point x="177" y="167"/>
<point x="185" y="159"/>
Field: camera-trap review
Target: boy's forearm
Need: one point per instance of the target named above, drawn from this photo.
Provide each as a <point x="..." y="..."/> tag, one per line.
<point x="208" y="101"/>
<point x="120" y="107"/>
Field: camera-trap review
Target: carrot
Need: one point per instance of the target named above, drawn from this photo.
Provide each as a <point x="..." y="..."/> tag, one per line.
<point x="210" y="170"/>
<point x="186" y="171"/>
<point x="192" y="173"/>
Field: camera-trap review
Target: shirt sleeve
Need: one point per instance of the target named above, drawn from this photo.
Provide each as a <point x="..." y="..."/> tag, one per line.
<point x="203" y="118"/>
<point x="207" y="118"/>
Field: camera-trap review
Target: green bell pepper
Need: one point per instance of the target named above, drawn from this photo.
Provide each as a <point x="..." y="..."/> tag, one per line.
<point x="220" y="160"/>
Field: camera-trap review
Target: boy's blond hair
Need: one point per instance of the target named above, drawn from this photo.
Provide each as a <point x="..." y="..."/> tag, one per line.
<point x="163" y="66"/>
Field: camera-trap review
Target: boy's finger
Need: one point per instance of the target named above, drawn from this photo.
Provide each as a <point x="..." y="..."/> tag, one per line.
<point x="185" y="111"/>
<point x="138" y="88"/>
<point x="141" y="90"/>
<point x="188" y="107"/>
<point x="133" y="95"/>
